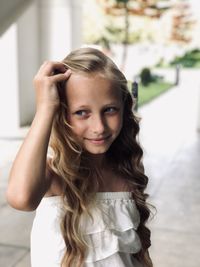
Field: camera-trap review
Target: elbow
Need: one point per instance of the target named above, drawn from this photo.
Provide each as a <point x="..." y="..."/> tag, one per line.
<point x="20" y="201"/>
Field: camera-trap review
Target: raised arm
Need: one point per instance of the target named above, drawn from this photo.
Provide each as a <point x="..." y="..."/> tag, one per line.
<point x="29" y="180"/>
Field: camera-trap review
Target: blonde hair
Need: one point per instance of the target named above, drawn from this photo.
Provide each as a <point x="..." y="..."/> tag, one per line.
<point x="71" y="164"/>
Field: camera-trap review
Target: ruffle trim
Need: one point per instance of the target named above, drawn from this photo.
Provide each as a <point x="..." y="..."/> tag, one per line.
<point x="104" y="244"/>
<point x="120" y="215"/>
<point x="111" y="229"/>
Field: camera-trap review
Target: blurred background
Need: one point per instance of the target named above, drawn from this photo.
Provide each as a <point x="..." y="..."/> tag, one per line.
<point x="156" y="43"/>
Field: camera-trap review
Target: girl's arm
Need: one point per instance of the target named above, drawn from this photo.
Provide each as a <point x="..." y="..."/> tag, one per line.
<point x="29" y="179"/>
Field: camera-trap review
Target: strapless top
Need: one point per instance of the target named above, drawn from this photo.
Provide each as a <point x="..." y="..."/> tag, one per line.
<point x="110" y="233"/>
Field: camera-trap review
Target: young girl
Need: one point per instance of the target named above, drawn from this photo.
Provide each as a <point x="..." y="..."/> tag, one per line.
<point x="89" y="193"/>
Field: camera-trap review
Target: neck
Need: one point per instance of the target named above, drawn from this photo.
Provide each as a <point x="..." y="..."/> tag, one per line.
<point x="98" y="161"/>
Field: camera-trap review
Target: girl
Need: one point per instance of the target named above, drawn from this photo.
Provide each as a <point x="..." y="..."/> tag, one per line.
<point x="89" y="194"/>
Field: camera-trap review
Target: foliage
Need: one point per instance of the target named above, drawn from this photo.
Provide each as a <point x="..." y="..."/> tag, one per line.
<point x="189" y="60"/>
<point x="182" y="22"/>
<point x="145" y="76"/>
<point x="122" y="1"/>
<point x="115" y="34"/>
<point x="119" y="21"/>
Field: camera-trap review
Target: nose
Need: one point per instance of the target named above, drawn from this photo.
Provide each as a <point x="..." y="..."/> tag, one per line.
<point x="98" y="125"/>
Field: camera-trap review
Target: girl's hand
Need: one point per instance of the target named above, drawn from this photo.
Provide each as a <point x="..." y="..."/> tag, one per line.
<point x="45" y="84"/>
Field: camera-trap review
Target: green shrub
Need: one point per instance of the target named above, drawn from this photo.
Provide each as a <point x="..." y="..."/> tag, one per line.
<point x="145" y="76"/>
<point x="188" y="60"/>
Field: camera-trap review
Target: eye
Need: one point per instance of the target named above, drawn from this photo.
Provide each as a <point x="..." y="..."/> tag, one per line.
<point x="111" y="110"/>
<point x="81" y="113"/>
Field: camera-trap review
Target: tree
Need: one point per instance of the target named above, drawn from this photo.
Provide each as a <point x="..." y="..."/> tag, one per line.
<point x="126" y="8"/>
<point x="182" y="23"/>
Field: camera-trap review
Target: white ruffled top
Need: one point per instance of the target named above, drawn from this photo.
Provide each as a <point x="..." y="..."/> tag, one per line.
<point x="111" y="235"/>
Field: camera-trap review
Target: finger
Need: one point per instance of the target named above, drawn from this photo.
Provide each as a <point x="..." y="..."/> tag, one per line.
<point x="48" y="68"/>
<point x="61" y="77"/>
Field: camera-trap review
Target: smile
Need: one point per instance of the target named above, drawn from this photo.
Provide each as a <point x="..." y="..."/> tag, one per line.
<point x="98" y="141"/>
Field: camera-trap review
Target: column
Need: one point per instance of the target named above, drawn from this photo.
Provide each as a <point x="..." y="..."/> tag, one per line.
<point x="60" y="28"/>
<point x="45" y="30"/>
<point x="19" y="61"/>
<point x="28" y="62"/>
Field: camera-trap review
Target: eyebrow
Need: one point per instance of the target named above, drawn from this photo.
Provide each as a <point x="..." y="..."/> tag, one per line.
<point x="81" y="107"/>
<point x="106" y="105"/>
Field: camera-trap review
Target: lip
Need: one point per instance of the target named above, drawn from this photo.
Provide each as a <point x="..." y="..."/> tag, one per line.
<point x="98" y="141"/>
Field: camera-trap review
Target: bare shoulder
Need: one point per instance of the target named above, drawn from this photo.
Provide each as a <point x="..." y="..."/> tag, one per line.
<point x="56" y="182"/>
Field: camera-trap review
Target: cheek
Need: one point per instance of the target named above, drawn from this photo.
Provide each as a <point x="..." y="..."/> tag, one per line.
<point x="120" y="122"/>
<point x="116" y="124"/>
<point x="78" y="127"/>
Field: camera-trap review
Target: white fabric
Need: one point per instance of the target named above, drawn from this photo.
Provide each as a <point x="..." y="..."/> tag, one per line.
<point x="111" y="236"/>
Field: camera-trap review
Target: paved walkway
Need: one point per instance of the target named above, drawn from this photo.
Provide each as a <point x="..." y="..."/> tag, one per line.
<point x="171" y="156"/>
<point x="172" y="159"/>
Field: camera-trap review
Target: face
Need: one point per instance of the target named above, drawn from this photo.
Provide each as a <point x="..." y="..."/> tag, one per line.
<point x="95" y="111"/>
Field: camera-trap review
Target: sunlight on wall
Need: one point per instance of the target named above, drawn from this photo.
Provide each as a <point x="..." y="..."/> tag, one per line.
<point x="9" y="80"/>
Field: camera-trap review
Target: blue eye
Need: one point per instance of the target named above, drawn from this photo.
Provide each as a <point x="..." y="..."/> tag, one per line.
<point x="111" y="110"/>
<point x="81" y="113"/>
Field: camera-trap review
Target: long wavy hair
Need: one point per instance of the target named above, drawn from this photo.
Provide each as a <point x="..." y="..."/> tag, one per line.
<point x="71" y="163"/>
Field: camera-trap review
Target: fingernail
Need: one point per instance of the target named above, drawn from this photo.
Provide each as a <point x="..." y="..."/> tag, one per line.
<point x="68" y="71"/>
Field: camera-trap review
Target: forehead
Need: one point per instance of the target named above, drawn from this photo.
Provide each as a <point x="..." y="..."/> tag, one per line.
<point x="90" y="88"/>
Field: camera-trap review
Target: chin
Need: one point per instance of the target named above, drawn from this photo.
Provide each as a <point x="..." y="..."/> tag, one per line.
<point x="97" y="150"/>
